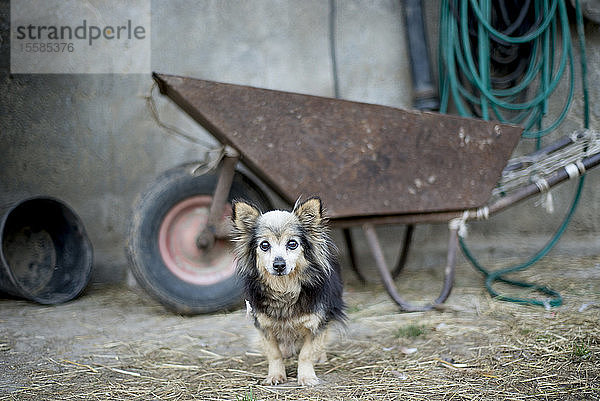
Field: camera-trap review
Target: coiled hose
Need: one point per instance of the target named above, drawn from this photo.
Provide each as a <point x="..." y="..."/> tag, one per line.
<point x="503" y="60"/>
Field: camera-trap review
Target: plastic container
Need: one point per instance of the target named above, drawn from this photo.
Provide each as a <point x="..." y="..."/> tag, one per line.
<point x="46" y="255"/>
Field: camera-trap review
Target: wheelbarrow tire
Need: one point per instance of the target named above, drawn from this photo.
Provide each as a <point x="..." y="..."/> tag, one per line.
<point x="189" y="287"/>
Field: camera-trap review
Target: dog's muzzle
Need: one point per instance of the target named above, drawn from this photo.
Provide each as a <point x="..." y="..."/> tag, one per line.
<point x="279" y="265"/>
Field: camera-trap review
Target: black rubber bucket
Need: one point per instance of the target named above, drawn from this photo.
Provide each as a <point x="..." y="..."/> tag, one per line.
<point x="46" y="255"/>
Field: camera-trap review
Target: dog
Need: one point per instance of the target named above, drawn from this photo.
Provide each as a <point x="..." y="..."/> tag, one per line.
<point x="289" y="267"/>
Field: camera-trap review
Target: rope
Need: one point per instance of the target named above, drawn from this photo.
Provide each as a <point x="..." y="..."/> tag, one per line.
<point x="521" y="169"/>
<point x="212" y="155"/>
<point x="477" y="87"/>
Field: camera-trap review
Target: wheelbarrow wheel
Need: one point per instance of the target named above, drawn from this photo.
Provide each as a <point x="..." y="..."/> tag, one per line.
<point x="162" y="249"/>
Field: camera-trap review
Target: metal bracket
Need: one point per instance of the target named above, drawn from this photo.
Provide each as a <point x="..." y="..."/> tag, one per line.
<point x="206" y="238"/>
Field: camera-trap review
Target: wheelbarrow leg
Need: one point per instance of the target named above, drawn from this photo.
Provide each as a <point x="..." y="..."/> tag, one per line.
<point x="352" y="255"/>
<point x="408" y="233"/>
<point x="388" y="281"/>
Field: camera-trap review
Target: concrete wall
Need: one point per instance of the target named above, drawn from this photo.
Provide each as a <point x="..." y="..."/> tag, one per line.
<point x="90" y="140"/>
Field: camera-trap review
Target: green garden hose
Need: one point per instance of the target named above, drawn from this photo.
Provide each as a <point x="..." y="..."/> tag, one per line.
<point x="474" y="53"/>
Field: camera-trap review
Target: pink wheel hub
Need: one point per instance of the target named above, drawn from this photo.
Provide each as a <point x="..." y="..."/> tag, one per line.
<point x="177" y="244"/>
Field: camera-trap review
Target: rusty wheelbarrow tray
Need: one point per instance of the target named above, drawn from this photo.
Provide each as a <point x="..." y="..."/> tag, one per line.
<point x="370" y="164"/>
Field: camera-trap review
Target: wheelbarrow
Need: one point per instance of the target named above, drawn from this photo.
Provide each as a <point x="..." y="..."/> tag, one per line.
<point x="370" y="164"/>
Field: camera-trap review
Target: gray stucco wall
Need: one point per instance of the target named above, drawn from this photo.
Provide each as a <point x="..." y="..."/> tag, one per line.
<point x="90" y="140"/>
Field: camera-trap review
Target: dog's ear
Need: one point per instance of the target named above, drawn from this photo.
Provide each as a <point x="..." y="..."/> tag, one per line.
<point x="310" y="212"/>
<point x="244" y="216"/>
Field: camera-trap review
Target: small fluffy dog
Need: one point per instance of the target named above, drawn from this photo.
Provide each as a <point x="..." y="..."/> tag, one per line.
<point x="288" y="264"/>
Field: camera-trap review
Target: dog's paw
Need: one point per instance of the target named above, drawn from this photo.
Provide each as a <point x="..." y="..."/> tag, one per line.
<point x="273" y="380"/>
<point x="322" y="358"/>
<point x="308" y="380"/>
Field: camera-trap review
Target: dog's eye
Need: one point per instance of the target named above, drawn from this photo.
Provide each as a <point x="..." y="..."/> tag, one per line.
<point x="292" y="244"/>
<point x="265" y="246"/>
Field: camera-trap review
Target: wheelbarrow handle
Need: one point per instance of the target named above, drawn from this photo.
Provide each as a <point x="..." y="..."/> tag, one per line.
<point x="561" y="175"/>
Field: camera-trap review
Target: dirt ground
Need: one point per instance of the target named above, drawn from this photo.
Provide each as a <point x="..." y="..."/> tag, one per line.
<point x="116" y="343"/>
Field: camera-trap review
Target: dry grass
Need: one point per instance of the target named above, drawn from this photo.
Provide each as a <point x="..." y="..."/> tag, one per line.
<point x="476" y="349"/>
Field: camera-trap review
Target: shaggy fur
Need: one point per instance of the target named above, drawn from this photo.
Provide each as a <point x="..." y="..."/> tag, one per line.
<point x="292" y="280"/>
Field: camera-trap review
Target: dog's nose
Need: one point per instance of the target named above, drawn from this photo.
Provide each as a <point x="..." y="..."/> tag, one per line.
<point x="279" y="264"/>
